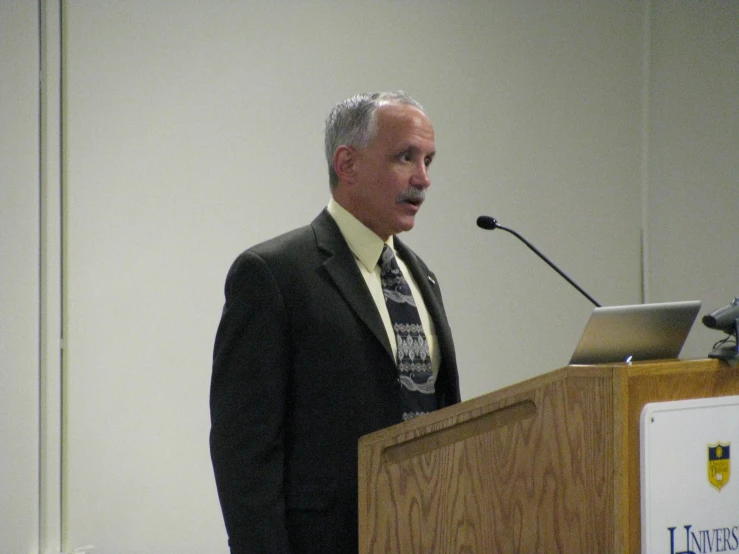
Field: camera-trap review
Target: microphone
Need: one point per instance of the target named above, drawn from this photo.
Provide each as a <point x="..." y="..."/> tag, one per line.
<point x="724" y="319"/>
<point x="490" y="224"/>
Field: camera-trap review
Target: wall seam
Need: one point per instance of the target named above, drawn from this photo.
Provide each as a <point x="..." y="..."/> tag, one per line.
<point x="50" y="277"/>
<point x="645" y="143"/>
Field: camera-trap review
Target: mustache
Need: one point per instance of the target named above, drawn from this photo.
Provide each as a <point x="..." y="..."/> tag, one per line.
<point x="412" y="195"/>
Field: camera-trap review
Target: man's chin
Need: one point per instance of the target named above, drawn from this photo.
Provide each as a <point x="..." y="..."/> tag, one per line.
<point x="405" y="224"/>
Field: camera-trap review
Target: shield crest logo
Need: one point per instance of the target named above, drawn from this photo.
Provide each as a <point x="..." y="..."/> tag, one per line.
<point x="719" y="464"/>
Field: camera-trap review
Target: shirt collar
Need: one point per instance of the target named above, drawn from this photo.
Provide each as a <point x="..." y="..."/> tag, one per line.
<point x="363" y="242"/>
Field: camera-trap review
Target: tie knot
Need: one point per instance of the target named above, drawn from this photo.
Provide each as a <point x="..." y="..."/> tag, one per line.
<point x="386" y="258"/>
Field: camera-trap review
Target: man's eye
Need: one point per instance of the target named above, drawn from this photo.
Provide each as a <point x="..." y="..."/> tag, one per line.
<point x="406" y="157"/>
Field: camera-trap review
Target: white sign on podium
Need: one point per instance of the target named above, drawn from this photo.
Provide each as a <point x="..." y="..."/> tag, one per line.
<point x="689" y="478"/>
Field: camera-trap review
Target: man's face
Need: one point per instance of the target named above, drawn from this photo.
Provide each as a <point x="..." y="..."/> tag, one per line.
<point x="391" y="174"/>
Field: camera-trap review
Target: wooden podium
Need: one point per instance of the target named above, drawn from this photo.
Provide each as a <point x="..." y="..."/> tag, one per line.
<point x="548" y="465"/>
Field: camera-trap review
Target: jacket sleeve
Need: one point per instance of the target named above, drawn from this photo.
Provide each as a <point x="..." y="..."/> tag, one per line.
<point x="251" y="366"/>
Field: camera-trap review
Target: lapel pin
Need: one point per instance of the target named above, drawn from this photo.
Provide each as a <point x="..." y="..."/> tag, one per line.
<point x="432" y="280"/>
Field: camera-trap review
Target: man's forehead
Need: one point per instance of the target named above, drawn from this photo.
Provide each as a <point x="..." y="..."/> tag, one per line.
<point x="398" y="111"/>
<point x="404" y="122"/>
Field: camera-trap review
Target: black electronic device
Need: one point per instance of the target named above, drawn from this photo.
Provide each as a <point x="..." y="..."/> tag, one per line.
<point x="725" y="319"/>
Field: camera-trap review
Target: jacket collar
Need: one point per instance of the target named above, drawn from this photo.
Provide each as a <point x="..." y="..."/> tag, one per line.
<point x="341" y="267"/>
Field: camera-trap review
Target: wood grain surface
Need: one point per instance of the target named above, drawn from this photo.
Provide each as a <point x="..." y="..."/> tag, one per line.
<point x="547" y="465"/>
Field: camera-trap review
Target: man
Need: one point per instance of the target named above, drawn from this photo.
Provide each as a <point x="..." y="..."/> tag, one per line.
<point x="308" y="357"/>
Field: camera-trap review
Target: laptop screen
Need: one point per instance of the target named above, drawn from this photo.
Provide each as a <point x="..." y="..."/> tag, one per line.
<point x="636" y="332"/>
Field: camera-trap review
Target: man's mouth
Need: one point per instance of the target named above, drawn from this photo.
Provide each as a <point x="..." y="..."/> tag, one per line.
<point x="414" y="197"/>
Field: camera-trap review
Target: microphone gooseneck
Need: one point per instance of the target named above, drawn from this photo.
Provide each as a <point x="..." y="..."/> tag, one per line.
<point x="490" y="223"/>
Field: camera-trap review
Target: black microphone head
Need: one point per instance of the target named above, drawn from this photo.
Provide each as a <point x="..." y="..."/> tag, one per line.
<point x="487" y="222"/>
<point x="725" y="318"/>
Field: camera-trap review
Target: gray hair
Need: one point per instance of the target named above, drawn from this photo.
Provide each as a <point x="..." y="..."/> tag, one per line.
<point x="353" y="122"/>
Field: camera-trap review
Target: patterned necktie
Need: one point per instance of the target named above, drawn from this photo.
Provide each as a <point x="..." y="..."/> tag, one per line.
<point x="414" y="359"/>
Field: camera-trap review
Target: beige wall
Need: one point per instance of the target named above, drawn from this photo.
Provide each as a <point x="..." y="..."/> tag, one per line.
<point x="19" y="277"/>
<point x="693" y="200"/>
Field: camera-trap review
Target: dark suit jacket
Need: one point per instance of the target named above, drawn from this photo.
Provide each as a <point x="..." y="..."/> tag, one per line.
<point x="302" y="368"/>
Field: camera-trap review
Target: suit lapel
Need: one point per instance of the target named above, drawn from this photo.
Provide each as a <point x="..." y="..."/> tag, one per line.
<point x="342" y="269"/>
<point x="429" y="288"/>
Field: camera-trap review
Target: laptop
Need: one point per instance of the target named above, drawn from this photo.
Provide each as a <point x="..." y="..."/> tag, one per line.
<point x="636" y="332"/>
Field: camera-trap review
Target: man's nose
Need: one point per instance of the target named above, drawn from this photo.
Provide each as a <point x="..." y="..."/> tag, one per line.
<point x="421" y="176"/>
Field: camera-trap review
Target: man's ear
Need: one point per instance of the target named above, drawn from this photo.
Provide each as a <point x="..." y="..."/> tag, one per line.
<point x="344" y="159"/>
